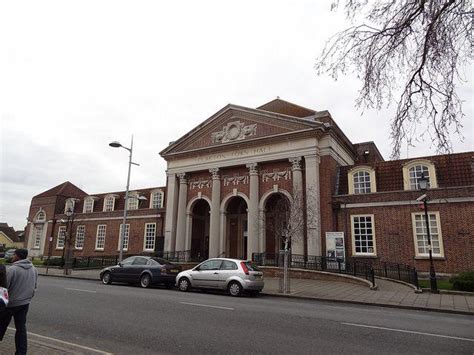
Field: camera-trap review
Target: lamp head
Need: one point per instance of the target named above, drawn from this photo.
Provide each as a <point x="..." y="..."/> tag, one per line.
<point x="69" y="212"/>
<point x="115" y="144"/>
<point x="423" y="182"/>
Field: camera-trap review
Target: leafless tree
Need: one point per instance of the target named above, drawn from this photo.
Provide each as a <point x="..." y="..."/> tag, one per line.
<point x="290" y="218"/>
<point x="413" y="50"/>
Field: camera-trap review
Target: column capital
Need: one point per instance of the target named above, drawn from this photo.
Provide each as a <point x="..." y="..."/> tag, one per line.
<point x="253" y="168"/>
<point x="215" y="173"/>
<point x="313" y="158"/>
<point x="182" y="178"/>
<point x="295" y="163"/>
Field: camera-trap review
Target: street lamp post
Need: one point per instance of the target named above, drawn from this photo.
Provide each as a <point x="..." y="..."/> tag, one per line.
<point x="423" y="184"/>
<point x="68" y="238"/>
<point x="116" y="144"/>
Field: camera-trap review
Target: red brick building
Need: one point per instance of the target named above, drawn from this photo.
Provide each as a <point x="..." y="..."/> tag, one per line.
<point x="225" y="177"/>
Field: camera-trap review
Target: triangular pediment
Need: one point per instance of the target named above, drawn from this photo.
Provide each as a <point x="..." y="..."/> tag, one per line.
<point x="236" y="125"/>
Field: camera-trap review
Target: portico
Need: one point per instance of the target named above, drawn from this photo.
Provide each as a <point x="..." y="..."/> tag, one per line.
<point x="232" y="166"/>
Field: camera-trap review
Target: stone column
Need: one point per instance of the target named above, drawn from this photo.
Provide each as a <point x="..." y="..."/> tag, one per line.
<point x="297" y="242"/>
<point x="214" y="225"/>
<point x="252" y="212"/>
<point x="171" y="208"/>
<point x="313" y="212"/>
<point x="181" y="220"/>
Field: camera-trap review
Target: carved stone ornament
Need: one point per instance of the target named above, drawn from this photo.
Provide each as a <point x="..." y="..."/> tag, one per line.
<point x="199" y="184"/>
<point x="215" y="173"/>
<point x="276" y="175"/>
<point x="252" y="168"/>
<point x="182" y="178"/>
<point x="295" y="163"/>
<point x="236" y="180"/>
<point x="234" y="131"/>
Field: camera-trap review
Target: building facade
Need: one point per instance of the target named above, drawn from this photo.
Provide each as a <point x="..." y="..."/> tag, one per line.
<point x="96" y="222"/>
<point x="228" y="176"/>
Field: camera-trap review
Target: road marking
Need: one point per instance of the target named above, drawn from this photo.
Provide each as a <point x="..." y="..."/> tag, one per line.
<point x="78" y="289"/>
<point x="207" y="305"/>
<point x="67" y="343"/>
<point x="408" y="331"/>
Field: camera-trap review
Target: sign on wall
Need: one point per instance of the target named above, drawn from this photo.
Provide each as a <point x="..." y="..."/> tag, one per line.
<point x="335" y="246"/>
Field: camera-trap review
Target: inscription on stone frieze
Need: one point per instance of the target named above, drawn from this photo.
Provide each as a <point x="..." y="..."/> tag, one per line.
<point x="234" y="154"/>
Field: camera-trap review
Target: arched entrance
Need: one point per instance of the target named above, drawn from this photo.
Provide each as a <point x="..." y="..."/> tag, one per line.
<point x="200" y="230"/>
<point x="236" y="228"/>
<point x="276" y="218"/>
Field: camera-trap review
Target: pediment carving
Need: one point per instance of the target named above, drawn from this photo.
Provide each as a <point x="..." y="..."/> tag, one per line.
<point x="234" y="131"/>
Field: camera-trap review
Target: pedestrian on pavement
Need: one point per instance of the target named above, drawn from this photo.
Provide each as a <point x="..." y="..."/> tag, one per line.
<point x="22" y="277"/>
<point x="3" y="288"/>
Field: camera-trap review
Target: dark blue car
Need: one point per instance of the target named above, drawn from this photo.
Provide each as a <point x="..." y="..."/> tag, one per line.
<point x="142" y="270"/>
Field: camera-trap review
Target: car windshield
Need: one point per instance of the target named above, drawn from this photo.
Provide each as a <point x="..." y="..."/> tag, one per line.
<point x="161" y="261"/>
<point x="251" y="267"/>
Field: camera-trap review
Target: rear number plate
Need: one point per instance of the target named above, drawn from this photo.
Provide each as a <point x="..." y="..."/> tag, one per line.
<point x="174" y="270"/>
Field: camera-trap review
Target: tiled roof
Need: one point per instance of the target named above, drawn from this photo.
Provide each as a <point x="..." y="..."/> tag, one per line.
<point x="286" y="108"/>
<point x="452" y="170"/>
<point x="9" y="232"/>
<point x="65" y="189"/>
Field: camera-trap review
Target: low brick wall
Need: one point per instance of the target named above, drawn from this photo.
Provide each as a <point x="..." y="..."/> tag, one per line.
<point x="313" y="275"/>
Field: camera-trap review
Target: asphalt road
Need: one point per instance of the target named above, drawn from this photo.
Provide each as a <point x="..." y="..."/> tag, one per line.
<point x="130" y="320"/>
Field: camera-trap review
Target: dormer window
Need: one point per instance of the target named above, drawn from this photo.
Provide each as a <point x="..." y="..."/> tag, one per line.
<point x="413" y="171"/>
<point x="109" y="203"/>
<point x="40" y="217"/>
<point x="132" y="203"/>
<point x="88" y="205"/>
<point x="361" y="180"/>
<point x="156" y="199"/>
<point x="70" y="202"/>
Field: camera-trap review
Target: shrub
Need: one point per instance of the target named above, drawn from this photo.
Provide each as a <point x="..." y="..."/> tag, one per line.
<point x="463" y="282"/>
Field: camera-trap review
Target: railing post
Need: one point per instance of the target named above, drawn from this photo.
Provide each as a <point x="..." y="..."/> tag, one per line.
<point x="398" y="269"/>
<point x="88" y="261"/>
<point x="415" y="279"/>
<point x="355" y="268"/>
<point x="339" y="265"/>
<point x="385" y="268"/>
<point x="372" y="276"/>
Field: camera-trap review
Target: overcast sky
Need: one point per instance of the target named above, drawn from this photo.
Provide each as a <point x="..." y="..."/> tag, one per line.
<point x="75" y="75"/>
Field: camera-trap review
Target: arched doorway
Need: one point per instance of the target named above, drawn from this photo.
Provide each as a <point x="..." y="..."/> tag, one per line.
<point x="276" y="219"/>
<point x="237" y="228"/>
<point x="200" y="230"/>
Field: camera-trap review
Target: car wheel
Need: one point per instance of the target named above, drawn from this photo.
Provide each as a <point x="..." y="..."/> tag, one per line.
<point x="184" y="284"/>
<point x="235" y="289"/>
<point x="107" y="278"/>
<point x="145" y="280"/>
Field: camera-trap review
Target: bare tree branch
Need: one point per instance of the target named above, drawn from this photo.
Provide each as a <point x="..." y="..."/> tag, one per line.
<point x="413" y="50"/>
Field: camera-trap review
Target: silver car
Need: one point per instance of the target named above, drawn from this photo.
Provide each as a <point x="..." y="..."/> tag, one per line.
<point x="235" y="276"/>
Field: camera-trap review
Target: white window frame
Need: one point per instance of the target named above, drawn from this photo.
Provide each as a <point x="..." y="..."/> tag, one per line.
<point x="106" y="198"/>
<point x="80" y="232"/>
<point x="374" y="246"/>
<point x="88" y="200"/>
<point x="433" y="182"/>
<point x="146" y="235"/>
<point x="40" y="216"/>
<point x="439" y="234"/>
<point x="350" y="179"/>
<point x="61" y="239"/>
<point x="152" y="198"/>
<point x="132" y="202"/>
<point x="126" y="237"/>
<point x="37" y="235"/>
<point x="99" y="230"/>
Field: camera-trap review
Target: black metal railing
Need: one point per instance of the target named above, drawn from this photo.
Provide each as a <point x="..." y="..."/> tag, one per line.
<point x="351" y="266"/>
